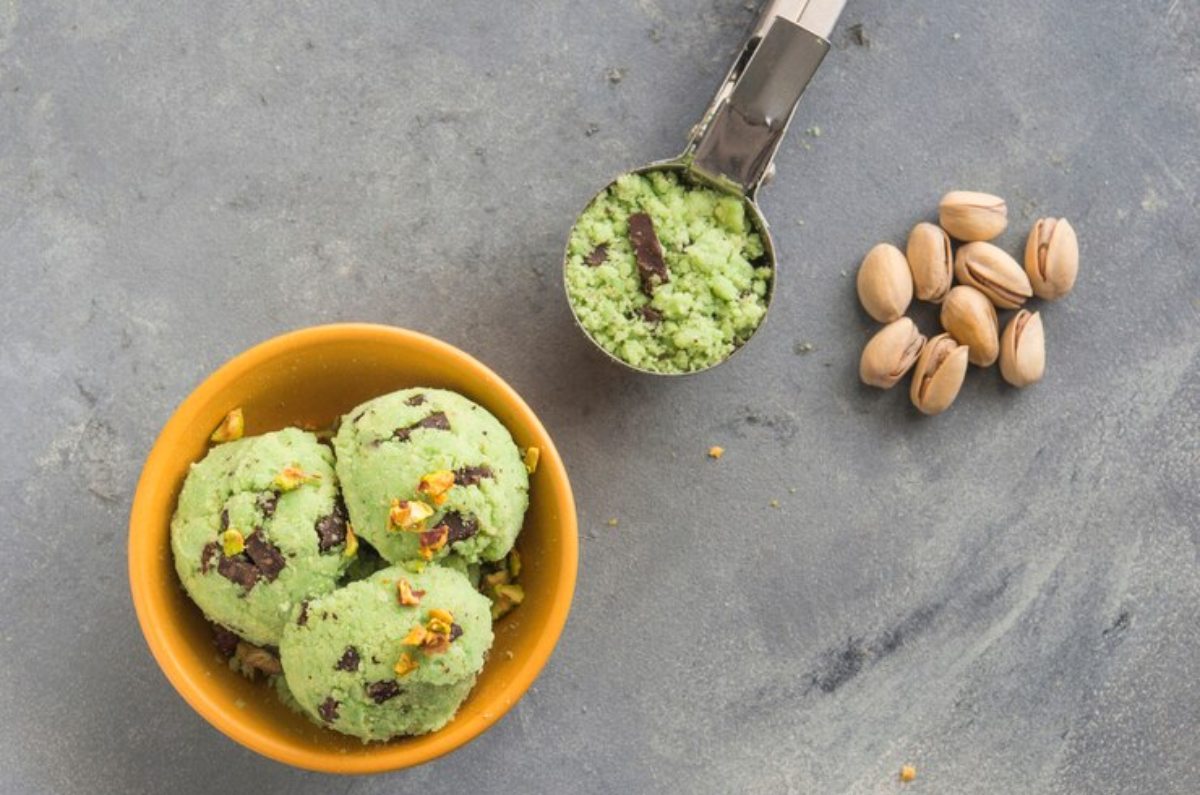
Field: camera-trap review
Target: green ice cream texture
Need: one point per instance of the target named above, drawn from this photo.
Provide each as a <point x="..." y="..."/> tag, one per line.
<point x="234" y="487"/>
<point x="325" y="594"/>
<point x="340" y="663"/>
<point x="715" y="297"/>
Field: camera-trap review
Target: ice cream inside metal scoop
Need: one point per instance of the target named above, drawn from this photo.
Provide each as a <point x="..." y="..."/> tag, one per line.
<point x="671" y="268"/>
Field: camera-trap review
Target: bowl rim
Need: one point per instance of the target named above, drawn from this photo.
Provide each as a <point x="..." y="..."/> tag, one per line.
<point x="384" y="757"/>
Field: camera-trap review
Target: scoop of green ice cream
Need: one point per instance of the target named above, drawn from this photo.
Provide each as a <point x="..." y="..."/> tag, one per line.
<point x="712" y="296"/>
<point x="387" y="445"/>
<point x="340" y="653"/>
<point x="258" y="527"/>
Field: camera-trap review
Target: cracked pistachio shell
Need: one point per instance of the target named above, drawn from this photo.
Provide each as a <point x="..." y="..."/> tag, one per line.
<point x="994" y="273"/>
<point x="968" y="215"/>
<point x="1052" y="258"/>
<point x="1023" y="349"/>
<point x="970" y="318"/>
<point x="890" y="353"/>
<point x="884" y="283"/>
<point x="931" y="261"/>
<point x="939" y="374"/>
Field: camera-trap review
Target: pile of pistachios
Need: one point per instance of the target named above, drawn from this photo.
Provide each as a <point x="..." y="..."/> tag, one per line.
<point x="988" y="279"/>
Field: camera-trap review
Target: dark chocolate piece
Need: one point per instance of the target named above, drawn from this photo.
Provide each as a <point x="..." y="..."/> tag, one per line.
<point x="266" y="503"/>
<point x="238" y="570"/>
<point x="597" y="257"/>
<point x="459" y="527"/>
<point x="211" y="551"/>
<point x="650" y="314"/>
<point x="470" y="476"/>
<point x="302" y="619"/>
<point x="455" y="632"/>
<point x="329" y="709"/>
<point x="266" y="556"/>
<point x="436" y="421"/>
<point x="382" y="691"/>
<point x="349" y="661"/>
<point x="415" y="400"/>
<point x="225" y="641"/>
<point x="648" y="252"/>
<point x="224" y="519"/>
<point x="331" y="529"/>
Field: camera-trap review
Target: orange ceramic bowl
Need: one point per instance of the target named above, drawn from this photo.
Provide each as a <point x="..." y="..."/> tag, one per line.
<point x="310" y="377"/>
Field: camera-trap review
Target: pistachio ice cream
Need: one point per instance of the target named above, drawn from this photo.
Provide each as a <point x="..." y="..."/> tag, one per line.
<point x="667" y="276"/>
<point x="394" y="654"/>
<point x="259" y="526"/>
<point x="427" y="473"/>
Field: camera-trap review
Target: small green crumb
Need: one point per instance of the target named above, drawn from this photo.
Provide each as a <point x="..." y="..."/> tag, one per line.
<point x="774" y="503"/>
<point x="613" y="522"/>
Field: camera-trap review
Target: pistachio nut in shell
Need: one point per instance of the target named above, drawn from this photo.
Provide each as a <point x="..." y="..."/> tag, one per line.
<point x="938" y="375"/>
<point x="968" y="215"/>
<point x="1052" y="258"/>
<point x="931" y="261"/>
<point x="890" y="353"/>
<point x="970" y="318"/>
<point x="994" y="273"/>
<point x="1023" y="349"/>
<point x="884" y="283"/>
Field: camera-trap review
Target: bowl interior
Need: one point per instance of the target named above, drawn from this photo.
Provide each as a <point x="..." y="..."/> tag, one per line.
<point x="310" y="378"/>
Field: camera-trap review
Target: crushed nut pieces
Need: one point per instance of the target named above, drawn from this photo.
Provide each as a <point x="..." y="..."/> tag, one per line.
<point x="232" y="543"/>
<point x="231" y="428"/>
<point x="907" y="773"/>
<point x="351" y="542"/>
<point x="408" y="597"/>
<point x="499" y="585"/>
<point x="437" y="485"/>
<point x="716" y="452"/>
<point x="433" y="540"/>
<point x="532" y="456"/>
<point x="436" y="635"/>
<point x="293" y="477"/>
<point x="405" y="665"/>
<point x="408" y="515"/>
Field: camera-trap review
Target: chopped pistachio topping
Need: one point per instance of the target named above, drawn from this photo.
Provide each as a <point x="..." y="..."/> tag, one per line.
<point x="351" y="542"/>
<point x="514" y="564"/>
<point x="715" y="452"/>
<point x="232" y="543"/>
<point x="408" y="597"/>
<point x="293" y="477"/>
<point x="443" y="616"/>
<point x="436" y="485"/>
<point x="512" y="592"/>
<point x="532" y="456"/>
<point x="416" y="636"/>
<point x="408" y="515"/>
<point x="432" y="541"/>
<point x="231" y="428"/>
<point x="405" y="665"/>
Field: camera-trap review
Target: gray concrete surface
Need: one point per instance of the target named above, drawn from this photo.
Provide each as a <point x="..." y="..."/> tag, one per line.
<point x="1005" y="597"/>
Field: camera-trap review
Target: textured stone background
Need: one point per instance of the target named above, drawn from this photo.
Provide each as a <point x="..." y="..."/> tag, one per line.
<point x="1005" y="596"/>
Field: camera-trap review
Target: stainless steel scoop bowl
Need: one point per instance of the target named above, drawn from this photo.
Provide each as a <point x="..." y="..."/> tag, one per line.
<point x="733" y="146"/>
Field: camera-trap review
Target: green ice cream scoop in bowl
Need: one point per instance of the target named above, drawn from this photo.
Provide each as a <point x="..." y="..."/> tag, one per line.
<point x="670" y="270"/>
<point x="308" y="379"/>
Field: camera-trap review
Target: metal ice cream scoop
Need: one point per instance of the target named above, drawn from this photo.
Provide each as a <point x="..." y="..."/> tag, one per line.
<point x="732" y="146"/>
